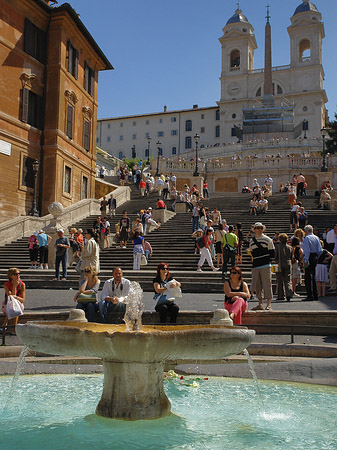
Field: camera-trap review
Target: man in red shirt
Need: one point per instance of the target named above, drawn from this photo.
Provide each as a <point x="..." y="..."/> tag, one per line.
<point x="160" y="204"/>
<point x="142" y="187"/>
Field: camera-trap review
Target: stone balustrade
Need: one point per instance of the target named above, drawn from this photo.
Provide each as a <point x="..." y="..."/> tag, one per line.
<point x="229" y="164"/>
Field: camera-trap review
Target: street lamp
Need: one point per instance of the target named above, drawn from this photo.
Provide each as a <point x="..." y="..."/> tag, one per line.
<point x="324" y="133"/>
<point x="196" y="139"/>
<point x="34" y="211"/>
<point x="148" y="150"/>
<point x="158" y="144"/>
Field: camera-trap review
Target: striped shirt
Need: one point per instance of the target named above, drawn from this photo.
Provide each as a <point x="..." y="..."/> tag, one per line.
<point x="263" y="252"/>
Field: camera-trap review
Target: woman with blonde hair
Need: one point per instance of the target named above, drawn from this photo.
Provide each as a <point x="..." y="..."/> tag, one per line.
<point x="86" y="297"/>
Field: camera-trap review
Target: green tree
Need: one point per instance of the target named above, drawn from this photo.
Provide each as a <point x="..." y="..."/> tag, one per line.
<point x="331" y="142"/>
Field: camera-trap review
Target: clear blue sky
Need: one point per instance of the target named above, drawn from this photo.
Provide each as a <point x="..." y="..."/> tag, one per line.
<point x="167" y="52"/>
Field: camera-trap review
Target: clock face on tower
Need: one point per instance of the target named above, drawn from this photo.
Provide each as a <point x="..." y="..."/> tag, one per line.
<point x="234" y="89"/>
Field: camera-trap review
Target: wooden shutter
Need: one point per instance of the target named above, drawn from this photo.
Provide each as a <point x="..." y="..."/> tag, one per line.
<point x="69" y="130"/>
<point x="92" y="82"/>
<point x="75" y="71"/>
<point x="70" y="56"/>
<point x="25" y="105"/>
<point x="86" y="76"/>
<point x="86" y="137"/>
<point x="41" y="46"/>
<point x="28" y="37"/>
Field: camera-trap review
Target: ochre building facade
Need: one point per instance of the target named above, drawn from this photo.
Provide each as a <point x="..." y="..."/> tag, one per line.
<point x="48" y="108"/>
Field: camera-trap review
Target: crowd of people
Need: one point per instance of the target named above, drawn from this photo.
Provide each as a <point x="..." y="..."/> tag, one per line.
<point x="216" y="242"/>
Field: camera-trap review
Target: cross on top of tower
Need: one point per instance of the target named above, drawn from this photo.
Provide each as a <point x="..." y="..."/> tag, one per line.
<point x="268" y="15"/>
<point x="238" y="10"/>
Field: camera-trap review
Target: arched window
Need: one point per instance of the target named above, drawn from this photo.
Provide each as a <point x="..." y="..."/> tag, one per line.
<point x="305" y="50"/>
<point x="217" y="131"/>
<point x="279" y="90"/>
<point x="174" y="150"/>
<point x="161" y="151"/>
<point x="188" y="125"/>
<point x="121" y="154"/>
<point x="188" y="142"/>
<point x="146" y="153"/>
<point x="235" y="60"/>
<point x="217" y="114"/>
<point x="258" y="92"/>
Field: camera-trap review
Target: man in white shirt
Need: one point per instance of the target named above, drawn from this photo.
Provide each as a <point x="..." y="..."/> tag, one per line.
<point x="113" y="294"/>
<point x="159" y="185"/>
<point x="263" y="205"/>
<point x="331" y="238"/>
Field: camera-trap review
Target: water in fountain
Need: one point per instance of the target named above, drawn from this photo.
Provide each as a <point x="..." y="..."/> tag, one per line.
<point x="53" y="412"/>
<point x="19" y="367"/>
<point x="252" y="371"/>
<point x="134" y="308"/>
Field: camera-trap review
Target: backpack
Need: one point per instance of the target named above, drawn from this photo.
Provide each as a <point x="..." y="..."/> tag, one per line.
<point x="201" y="242"/>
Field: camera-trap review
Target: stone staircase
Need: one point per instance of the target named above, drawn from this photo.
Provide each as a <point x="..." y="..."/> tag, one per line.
<point x="172" y="244"/>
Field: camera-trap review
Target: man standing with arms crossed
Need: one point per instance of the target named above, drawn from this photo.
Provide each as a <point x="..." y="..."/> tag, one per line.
<point x="262" y="249"/>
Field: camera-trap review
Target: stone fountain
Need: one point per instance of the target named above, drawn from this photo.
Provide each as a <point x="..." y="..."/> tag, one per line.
<point x="134" y="355"/>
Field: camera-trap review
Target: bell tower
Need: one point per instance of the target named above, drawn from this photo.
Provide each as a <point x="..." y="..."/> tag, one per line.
<point x="237" y="46"/>
<point x="306" y="33"/>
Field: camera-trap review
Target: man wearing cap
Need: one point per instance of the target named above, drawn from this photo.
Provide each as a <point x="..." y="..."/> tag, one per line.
<point x="262" y="249"/>
<point x="229" y="244"/>
<point x="61" y="244"/>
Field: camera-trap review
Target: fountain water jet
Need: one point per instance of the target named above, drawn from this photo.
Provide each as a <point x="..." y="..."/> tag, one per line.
<point x="134" y="360"/>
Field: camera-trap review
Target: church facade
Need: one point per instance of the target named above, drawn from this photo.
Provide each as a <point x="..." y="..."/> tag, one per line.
<point x="297" y="88"/>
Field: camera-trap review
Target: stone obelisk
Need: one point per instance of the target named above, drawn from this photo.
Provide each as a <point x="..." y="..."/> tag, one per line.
<point x="268" y="98"/>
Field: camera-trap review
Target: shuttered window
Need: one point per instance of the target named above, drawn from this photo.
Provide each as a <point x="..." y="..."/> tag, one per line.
<point x="72" y="55"/>
<point x="86" y="135"/>
<point x="34" y="41"/>
<point x="70" y="120"/>
<point x="84" y="187"/>
<point x="32" y="108"/>
<point x="27" y="172"/>
<point x="67" y="179"/>
<point x="89" y="79"/>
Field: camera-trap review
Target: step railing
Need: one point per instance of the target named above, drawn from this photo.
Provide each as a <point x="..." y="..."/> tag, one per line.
<point x="24" y="226"/>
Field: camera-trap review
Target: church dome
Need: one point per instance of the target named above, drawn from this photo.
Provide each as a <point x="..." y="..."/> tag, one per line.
<point x="238" y="17"/>
<point x="305" y="6"/>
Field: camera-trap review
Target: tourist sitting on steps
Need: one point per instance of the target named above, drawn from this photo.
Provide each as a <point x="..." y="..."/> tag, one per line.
<point x="236" y="295"/>
<point x="113" y="294"/>
<point x="164" y="302"/>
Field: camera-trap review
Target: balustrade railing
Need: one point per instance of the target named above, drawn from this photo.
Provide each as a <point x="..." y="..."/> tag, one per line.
<point x="230" y="164"/>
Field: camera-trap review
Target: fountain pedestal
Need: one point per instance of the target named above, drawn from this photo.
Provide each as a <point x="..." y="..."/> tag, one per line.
<point x="134" y="360"/>
<point x="133" y="391"/>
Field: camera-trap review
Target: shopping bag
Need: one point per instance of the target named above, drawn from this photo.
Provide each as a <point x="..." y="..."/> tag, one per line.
<point x="14" y="307"/>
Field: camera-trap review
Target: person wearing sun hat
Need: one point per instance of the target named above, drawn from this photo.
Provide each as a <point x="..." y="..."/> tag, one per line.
<point x="262" y="250"/>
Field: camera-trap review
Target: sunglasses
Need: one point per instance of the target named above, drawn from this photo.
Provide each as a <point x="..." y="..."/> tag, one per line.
<point x="234" y="272"/>
<point x="87" y="271"/>
<point x="16" y="273"/>
<point x="164" y="268"/>
<point x="259" y="228"/>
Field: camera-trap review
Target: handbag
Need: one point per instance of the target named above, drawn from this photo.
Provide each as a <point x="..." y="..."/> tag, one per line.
<point x="160" y="299"/>
<point x="87" y="298"/>
<point x="175" y="292"/>
<point x="143" y="261"/>
<point x="14" y="307"/>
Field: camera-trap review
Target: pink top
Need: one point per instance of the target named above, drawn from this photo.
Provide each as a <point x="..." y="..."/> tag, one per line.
<point x="32" y="239"/>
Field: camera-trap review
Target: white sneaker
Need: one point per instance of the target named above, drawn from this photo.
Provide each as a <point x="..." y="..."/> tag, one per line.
<point x="215" y="269"/>
<point x="46" y="267"/>
<point x="124" y="246"/>
<point x="199" y="270"/>
<point x="40" y="267"/>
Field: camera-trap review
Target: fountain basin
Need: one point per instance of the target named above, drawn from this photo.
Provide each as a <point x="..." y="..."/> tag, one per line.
<point x="134" y="360"/>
